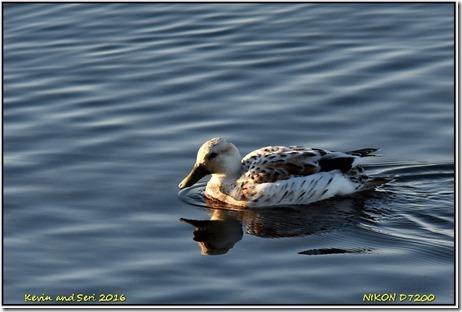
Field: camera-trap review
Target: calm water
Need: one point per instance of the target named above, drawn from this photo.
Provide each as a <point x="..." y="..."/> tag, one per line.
<point x="105" y="106"/>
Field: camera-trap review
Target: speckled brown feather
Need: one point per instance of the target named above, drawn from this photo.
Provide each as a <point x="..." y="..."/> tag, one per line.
<point x="275" y="163"/>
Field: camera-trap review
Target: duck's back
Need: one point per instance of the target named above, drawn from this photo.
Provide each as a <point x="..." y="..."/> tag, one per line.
<point x="290" y="175"/>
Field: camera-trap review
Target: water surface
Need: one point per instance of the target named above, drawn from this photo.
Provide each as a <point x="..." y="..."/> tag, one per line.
<point x="105" y="106"/>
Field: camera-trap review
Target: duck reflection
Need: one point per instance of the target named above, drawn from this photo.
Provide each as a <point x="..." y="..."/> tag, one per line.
<point x="224" y="228"/>
<point x="217" y="235"/>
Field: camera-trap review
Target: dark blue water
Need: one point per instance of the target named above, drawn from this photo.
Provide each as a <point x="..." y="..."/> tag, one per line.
<point x="105" y="106"/>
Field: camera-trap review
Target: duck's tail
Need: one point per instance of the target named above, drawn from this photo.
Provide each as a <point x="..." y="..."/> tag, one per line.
<point x="364" y="152"/>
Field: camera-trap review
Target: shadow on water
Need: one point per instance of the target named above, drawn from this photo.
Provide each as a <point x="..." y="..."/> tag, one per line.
<point x="226" y="225"/>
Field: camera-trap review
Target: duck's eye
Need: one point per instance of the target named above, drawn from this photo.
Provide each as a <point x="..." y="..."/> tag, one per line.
<point x="212" y="156"/>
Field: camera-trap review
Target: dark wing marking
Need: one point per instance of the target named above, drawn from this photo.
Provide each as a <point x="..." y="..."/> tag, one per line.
<point x="344" y="164"/>
<point x="365" y="152"/>
<point x="344" y="161"/>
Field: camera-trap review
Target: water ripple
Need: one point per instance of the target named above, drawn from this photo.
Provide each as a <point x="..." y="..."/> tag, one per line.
<point x="105" y="106"/>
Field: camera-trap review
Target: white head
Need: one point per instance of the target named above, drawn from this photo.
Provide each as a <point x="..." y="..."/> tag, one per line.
<point x="217" y="157"/>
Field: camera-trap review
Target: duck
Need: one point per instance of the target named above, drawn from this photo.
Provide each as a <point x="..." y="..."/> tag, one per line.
<point x="278" y="175"/>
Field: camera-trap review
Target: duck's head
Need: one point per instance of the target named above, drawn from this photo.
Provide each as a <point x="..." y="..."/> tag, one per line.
<point x="217" y="157"/>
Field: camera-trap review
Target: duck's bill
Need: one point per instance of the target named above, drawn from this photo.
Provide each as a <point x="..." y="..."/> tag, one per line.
<point x="197" y="173"/>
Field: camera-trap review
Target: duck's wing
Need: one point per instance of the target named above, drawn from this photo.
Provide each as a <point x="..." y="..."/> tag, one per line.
<point x="274" y="163"/>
